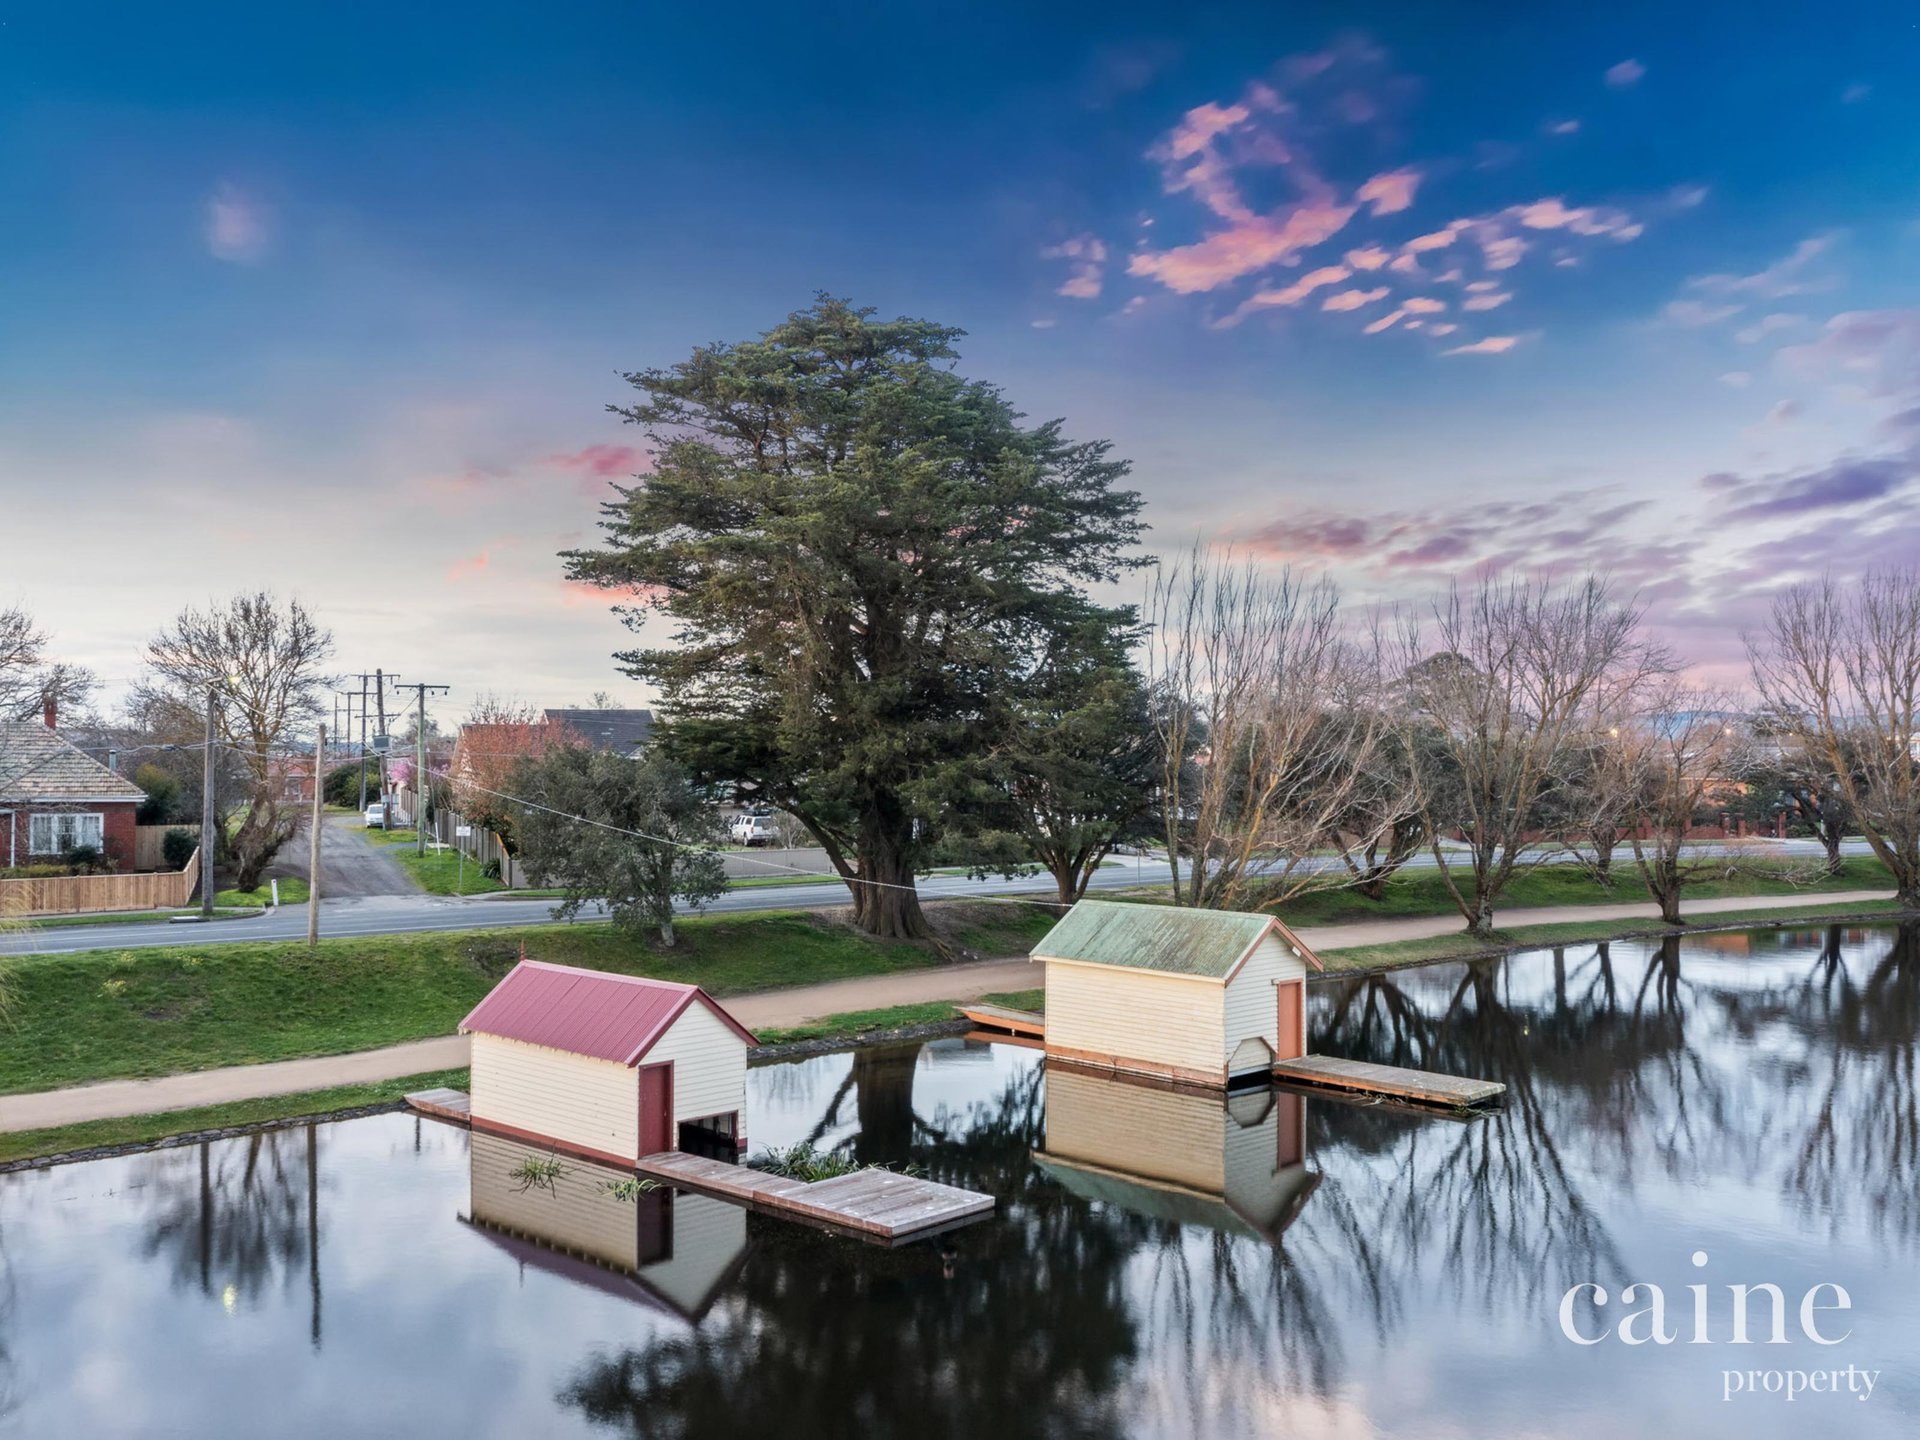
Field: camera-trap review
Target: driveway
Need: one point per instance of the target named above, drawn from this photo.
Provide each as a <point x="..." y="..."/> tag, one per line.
<point x="350" y="867"/>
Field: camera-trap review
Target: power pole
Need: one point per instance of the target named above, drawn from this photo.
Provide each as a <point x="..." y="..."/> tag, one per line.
<point x="363" y="744"/>
<point x="313" y="845"/>
<point x="379" y="734"/>
<point x="420" y="779"/>
<point x="206" y="810"/>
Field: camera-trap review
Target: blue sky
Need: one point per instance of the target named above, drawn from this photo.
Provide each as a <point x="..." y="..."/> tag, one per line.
<point x="332" y="300"/>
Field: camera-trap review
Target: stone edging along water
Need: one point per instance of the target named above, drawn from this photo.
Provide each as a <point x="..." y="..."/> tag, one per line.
<point x="934" y="1029"/>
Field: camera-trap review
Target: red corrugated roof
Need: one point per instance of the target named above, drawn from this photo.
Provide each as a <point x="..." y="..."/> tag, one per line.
<point x="588" y="1012"/>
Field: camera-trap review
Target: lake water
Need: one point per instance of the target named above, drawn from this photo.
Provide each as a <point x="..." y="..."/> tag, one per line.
<point x="1160" y="1266"/>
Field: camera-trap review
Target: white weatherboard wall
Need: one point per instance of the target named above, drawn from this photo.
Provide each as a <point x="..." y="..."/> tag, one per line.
<point x="709" y="1064"/>
<point x="1160" y="1019"/>
<point x="1253" y="1010"/>
<point x="573" y="1099"/>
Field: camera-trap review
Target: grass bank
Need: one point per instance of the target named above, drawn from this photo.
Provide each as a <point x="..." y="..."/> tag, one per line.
<point x="855" y="1023"/>
<point x="1423" y="892"/>
<point x="110" y="1014"/>
<point x="1530" y="937"/>
<point x="145" y="1129"/>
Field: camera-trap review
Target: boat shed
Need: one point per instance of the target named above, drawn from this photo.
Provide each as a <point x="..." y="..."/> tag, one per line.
<point x="1196" y="996"/>
<point x="607" y="1067"/>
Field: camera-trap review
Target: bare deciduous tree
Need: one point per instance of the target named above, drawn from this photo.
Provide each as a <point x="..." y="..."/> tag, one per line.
<point x="1507" y="679"/>
<point x="1842" y="667"/>
<point x="1258" y="682"/>
<point x="261" y="660"/>
<point x="1667" y="764"/>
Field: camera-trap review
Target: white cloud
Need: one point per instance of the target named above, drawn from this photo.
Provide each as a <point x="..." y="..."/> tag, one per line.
<point x="1627" y="72"/>
<point x="237" y="226"/>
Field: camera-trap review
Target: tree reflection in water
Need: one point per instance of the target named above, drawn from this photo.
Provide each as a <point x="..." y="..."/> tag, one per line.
<point x="1028" y="1334"/>
<point x="1693" y="1061"/>
<point x="234" y="1218"/>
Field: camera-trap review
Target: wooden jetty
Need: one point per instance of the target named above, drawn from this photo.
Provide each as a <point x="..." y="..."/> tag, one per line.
<point x="454" y="1105"/>
<point x="1029" y="1024"/>
<point x="875" y="1205"/>
<point x="1419" y="1086"/>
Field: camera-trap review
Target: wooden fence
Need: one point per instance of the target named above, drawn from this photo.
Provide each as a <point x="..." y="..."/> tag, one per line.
<point x="149" y="844"/>
<point x="98" y="894"/>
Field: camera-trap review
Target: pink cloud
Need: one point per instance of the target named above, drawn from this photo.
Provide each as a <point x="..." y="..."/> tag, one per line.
<point x="469" y="566"/>
<point x="1087" y="255"/>
<point x="1436" y="240"/>
<point x="1353" y="299"/>
<point x="1367" y="257"/>
<point x="1257" y="243"/>
<point x="1390" y="193"/>
<point x="237" y="227"/>
<point x="1423" y="305"/>
<point x="1289" y="295"/>
<point x="1487" y="300"/>
<point x="1491" y="345"/>
<point x="1385" y="322"/>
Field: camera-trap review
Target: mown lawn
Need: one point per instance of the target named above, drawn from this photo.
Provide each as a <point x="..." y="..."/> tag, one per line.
<point x="1462" y="946"/>
<point x="1423" y="892"/>
<point x="293" y="891"/>
<point x="139" y="1129"/>
<point x="110" y="1014"/>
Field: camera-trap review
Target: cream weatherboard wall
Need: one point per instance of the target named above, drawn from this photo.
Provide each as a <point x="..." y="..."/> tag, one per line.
<point x="574" y="1212"/>
<point x="1253" y="1010"/>
<point x="1166" y="1022"/>
<point x="709" y="1065"/>
<point x="573" y="1099"/>
<point x="1162" y="1020"/>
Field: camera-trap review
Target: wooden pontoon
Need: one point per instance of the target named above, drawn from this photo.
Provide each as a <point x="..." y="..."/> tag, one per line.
<point x="1420" y="1086"/>
<point x="877" y="1205"/>
<point x="454" y="1105"/>
<point x="1028" y="1024"/>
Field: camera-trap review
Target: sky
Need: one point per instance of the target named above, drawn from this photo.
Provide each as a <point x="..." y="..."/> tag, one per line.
<point x="332" y="300"/>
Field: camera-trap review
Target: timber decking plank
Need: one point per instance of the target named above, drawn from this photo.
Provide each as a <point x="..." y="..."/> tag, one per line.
<point x="876" y="1204"/>
<point x="1393" y="1080"/>
<point x="443" y="1104"/>
<point x="1005" y="1017"/>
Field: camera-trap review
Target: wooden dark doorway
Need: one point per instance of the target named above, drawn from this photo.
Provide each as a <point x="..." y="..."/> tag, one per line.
<point x="656" y="1108"/>
<point x="1292" y="1032"/>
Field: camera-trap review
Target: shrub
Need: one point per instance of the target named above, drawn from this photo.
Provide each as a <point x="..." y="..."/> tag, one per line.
<point x="177" y="847"/>
<point x="342" y="785"/>
<point x="162" y="804"/>
<point x="86" y="860"/>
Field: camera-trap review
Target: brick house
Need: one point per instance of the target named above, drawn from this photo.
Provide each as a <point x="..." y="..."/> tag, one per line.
<point x="54" y="798"/>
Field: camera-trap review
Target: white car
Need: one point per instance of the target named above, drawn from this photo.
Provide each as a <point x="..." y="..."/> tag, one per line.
<point x="754" y="830"/>
<point x="376" y="816"/>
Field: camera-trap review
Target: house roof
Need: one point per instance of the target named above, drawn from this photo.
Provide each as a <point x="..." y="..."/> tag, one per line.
<point x="588" y="1012"/>
<point x="1170" y="939"/>
<point x="39" y="764"/>
<point x="622" y="731"/>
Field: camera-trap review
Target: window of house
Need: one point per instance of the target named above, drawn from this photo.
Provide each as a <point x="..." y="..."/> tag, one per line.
<point x="55" y="834"/>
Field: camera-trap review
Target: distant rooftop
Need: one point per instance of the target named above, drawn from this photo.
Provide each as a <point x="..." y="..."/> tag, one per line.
<point x="39" y="764"/>
<point x="625" y="732"/>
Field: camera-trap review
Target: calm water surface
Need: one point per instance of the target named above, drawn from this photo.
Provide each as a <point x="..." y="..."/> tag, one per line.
<point x="1161" y="1266"/>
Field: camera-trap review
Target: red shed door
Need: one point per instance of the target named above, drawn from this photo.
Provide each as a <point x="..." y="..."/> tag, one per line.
<point x="656" y="1108"/>
<point x="1292" y="1033"/>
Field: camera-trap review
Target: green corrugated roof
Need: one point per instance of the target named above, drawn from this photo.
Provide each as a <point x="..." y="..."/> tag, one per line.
<point x="1169" y="938"/>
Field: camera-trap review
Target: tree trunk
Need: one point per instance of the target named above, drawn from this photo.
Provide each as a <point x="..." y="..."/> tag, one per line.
<point x="1668" y="899"/>
<point x="885" y="902"/>
<point x="666" y="933"/>
<point x="1830" y="837"/>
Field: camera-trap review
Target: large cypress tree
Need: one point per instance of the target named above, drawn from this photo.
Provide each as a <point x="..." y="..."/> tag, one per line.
<point x="862" y="552"/>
